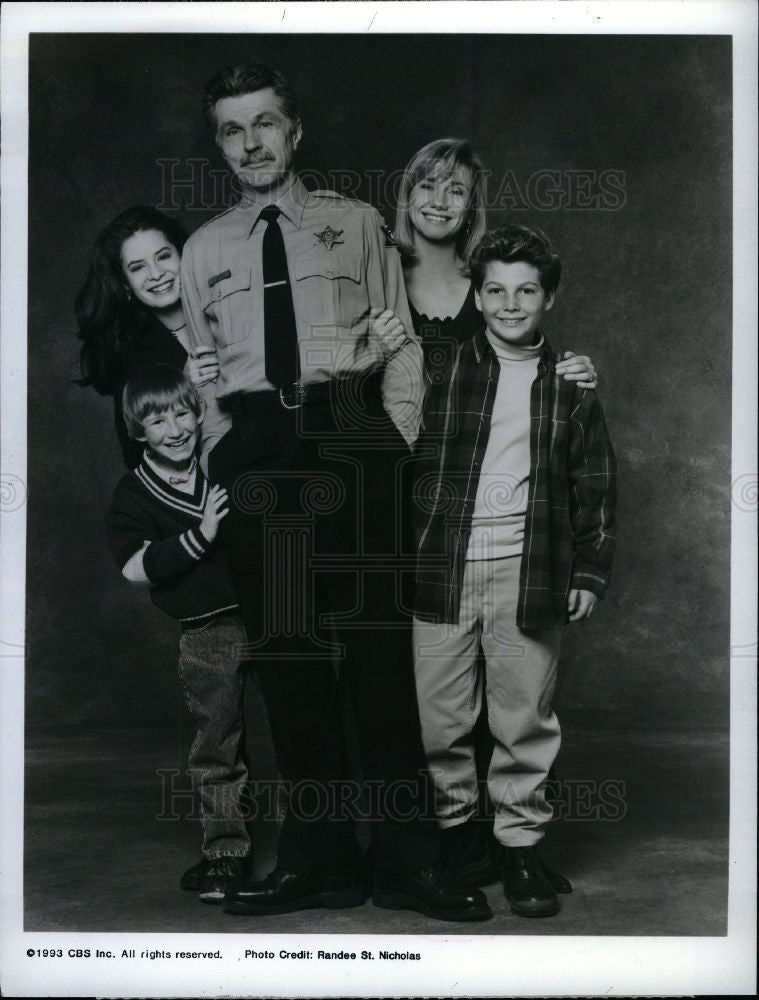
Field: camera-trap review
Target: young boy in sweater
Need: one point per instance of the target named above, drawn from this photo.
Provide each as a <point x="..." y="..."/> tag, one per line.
<point x="161" y="527"/>
<point x="514" y="506"/>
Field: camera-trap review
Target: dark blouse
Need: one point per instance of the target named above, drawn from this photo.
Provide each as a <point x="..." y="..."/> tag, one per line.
<point x="154" y="344"/>
<point x="441" y="337"/>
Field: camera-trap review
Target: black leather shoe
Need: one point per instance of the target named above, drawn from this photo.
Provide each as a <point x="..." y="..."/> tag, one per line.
<point x="466" y="854"/>
<point x="471" y="858"/>
<point x="476" y="871"/>
<point x="558" y="882"/>
<point x="222" y="876"/>
<point x="192" y="879"/>
<point x="431" y="891"/>
<point x="525" y="885"/>
<point x="282" y="892"/>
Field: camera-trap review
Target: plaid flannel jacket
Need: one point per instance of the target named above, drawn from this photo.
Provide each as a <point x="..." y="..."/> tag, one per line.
<point x="568" y="541"/>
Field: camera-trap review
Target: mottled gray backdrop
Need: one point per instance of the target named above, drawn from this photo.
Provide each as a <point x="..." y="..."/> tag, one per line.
<point x="619" y="147"/>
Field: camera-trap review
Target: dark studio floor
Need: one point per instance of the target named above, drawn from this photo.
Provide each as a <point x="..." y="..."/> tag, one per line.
<point x="97" y="858"/>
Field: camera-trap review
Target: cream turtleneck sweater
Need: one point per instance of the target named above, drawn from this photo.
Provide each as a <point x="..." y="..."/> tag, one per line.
<point x="501" y="502"/>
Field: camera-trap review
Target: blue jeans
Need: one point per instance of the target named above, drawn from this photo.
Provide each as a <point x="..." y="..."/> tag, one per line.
<point x="212" y="677"/>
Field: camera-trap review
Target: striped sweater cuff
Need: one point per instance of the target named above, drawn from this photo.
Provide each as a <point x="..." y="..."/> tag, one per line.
<point x="195" y="542"/>
<point x="172" y="557"/>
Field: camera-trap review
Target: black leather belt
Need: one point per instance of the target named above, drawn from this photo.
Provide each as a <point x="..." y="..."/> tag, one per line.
<point x="296" y="395"/>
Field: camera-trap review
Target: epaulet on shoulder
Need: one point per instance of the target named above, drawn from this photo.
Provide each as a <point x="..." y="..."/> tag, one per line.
<point x="336" y="196"/>
<point x="214" y="219"/>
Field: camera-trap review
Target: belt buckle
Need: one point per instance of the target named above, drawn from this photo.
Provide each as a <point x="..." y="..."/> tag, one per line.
<point x="301" y="392"/>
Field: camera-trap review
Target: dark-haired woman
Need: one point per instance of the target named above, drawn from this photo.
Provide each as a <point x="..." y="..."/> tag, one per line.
<point x="129" y="310"/>
<point x="130" y="316"/>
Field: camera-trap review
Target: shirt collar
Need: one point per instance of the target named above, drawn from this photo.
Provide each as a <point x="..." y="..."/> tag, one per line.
<point x="168" y="476"/>
<point x="291" y="203"/>
<point x="482" y="348"/>
<point x="481" y="343"/>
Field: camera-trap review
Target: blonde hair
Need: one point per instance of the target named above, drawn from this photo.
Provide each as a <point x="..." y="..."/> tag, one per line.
<point x="155" y="389"/>
<point x="441" y="158"/>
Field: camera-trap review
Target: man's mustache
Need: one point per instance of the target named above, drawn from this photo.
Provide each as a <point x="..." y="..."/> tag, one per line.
<point x="257" y="161"/>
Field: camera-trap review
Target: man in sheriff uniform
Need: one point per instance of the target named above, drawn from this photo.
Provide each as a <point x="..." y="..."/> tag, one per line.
<point x="286" y="286"/>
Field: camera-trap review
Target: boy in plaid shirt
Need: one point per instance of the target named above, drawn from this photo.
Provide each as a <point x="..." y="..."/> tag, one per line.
<point x="514" y="509"/>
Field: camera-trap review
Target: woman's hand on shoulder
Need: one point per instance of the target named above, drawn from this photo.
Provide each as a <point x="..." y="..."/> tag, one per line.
<point x="578" y="368"/>
<point x="203" y="365"/>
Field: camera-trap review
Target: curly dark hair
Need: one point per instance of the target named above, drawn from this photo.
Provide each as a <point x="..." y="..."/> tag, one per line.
<point x="234" y="81"/>
<point x="517" y="243"/>
<point x="108" y="319"/>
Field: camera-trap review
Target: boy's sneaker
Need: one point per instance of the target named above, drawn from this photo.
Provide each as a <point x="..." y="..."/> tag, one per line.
<point x="192" y="879"/>
<point x="221" y="875"/>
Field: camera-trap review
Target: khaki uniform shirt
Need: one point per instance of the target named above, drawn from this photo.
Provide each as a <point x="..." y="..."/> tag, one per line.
<point x="342" y="262"/>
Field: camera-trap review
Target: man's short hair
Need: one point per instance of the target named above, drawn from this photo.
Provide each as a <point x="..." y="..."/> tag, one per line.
<point x="234" y="81"/>
<point x="509" y="244"/>
<point x="155" y="389"/>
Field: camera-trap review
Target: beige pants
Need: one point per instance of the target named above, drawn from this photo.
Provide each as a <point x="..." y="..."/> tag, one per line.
<point x="519" y="685"/>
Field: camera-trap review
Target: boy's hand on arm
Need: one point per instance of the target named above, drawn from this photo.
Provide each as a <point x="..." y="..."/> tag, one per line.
<point x="581" y="604"/>
<point x="214" y="511"/>
<point x="202" y="365"/>
<point x="578" y="368"/>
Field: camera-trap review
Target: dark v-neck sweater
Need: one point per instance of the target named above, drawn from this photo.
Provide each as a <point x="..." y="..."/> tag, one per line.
<point x="189" y="576"/>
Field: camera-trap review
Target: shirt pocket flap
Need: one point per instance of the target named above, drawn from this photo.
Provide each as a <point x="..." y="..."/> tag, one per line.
<point x="322" y="266"/>
<point x="237" y="280"/>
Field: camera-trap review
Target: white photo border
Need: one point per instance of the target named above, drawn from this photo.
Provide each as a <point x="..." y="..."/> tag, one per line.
<point x="457" y="965"/>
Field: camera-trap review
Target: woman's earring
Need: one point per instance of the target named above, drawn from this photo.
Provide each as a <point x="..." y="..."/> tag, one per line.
<point x="468" y="227"/>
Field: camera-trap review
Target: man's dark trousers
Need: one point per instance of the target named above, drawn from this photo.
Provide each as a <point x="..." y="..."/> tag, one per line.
<point x="316" y="532"/>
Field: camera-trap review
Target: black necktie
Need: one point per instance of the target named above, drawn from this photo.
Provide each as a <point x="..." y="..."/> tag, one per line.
<point x="280" y="334"/>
